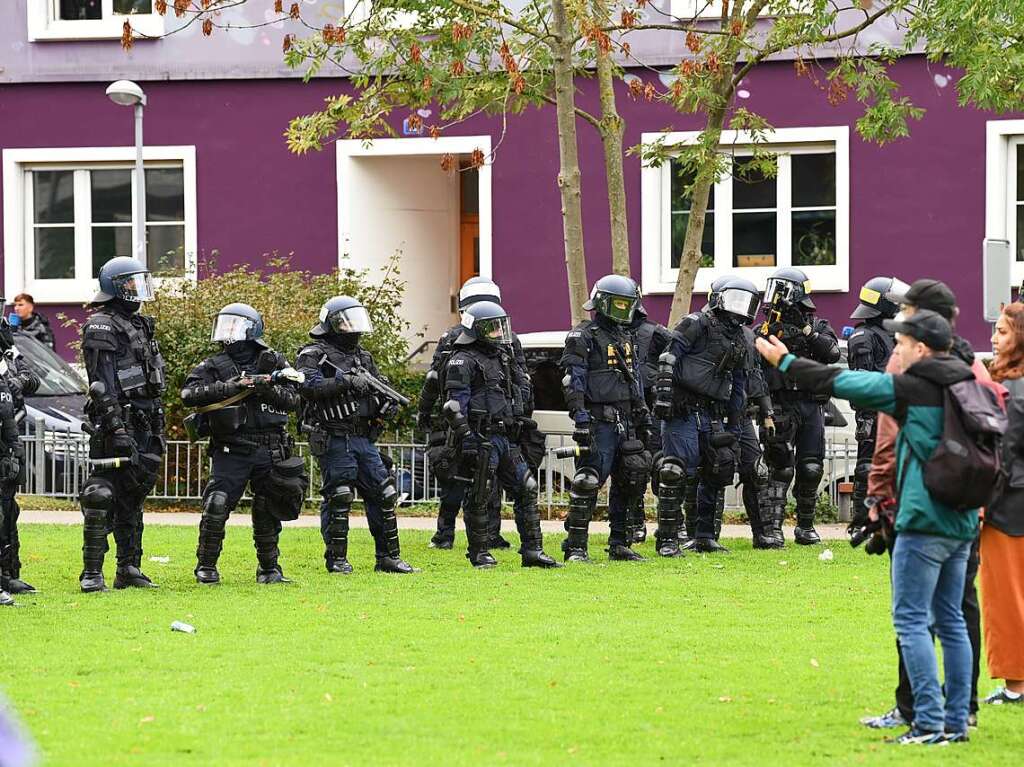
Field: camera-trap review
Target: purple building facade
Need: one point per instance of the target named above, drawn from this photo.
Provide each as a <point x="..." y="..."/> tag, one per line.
<point x="221" y="180"/>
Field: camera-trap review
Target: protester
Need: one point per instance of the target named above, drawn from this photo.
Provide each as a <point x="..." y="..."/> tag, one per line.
<point x="29" y="322"/>
<point x="1002" y="537"/>
<point x="933" y="540"/>
<point x="937" y="297"/>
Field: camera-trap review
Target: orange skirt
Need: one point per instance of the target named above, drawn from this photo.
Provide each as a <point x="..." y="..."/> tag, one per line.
<point x="1002" y="603"/>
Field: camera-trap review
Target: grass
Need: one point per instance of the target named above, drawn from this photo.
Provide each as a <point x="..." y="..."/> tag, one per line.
<point x="756" y="658"/>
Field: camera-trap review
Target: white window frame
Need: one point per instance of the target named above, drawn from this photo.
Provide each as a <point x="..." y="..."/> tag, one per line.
<point x="1002" y="137"/>
<point x="45" y="24"/>
<point x="17" y="167"/>
<point x="657" y="275"/>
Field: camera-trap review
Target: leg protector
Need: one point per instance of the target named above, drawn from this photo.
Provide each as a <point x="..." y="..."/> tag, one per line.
<point x="389" y="552"/>
<point x="528" y="523"/>
<point x="336" y="531"/>
<point x="809" y="471"/>
<point x="97" y="500"/>
<point x="10" y="559"/>
<point x="266" y="531"/>
<point x="860" y="492"/>
<point x="671" y="482"/>
<point x="689" y="528"/>
<point x="719" y="512"/>
<point x="773" y="500"/>
<point x="447" y="511"/>
<point x="582" y="502"/>
<point x="638" y="519"/>
<point x="211" y="536"/>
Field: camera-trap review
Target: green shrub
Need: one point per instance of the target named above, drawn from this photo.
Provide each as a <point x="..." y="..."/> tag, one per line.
<point x="290" y="302"/>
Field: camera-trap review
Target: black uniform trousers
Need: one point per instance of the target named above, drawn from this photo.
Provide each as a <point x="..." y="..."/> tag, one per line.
<point x="233" y="469"/>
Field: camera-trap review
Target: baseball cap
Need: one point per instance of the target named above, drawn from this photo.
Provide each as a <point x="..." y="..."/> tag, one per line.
<point x="934" y="295"/>
<point x="928" y="327"/>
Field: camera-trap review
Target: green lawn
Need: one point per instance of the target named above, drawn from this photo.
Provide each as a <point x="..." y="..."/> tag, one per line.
<point x="756" y="658"/>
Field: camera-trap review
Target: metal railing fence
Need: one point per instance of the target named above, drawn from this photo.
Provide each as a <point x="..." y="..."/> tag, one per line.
<point x="57" y="466"/>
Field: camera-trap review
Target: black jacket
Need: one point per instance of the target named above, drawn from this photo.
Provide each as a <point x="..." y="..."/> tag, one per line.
<point x="38" y="327"/>
<point x="1006" y="512"/>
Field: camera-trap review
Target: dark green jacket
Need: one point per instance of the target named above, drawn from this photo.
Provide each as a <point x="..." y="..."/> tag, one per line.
<point x="914" y="399"/>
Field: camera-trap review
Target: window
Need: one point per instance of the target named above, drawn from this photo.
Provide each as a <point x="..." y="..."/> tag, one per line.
<point x="1004" y="189"/>
<point x="755" y="222"/>
<point x="91" y="19"/>
<point x="78" y="214"/>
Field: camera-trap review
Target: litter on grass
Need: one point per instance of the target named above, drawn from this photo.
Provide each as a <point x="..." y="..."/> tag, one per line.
<point x="184" y="628"/>
<point x="161" y="560"/>
<point x="826" y="555"/>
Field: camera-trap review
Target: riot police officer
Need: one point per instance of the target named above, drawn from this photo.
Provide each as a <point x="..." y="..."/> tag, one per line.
<point x="18" y="380"/>
<point x="482" y="390"/>
<point x="12" y="461"/>
<point x="243" y="395"/>
<point x="126" y="376"/>
<point x="701" y="395"/>
<point x="648" y="335"/>
<point x="799" y="418"/>
<point x="452" y="492"/>
<point x="343" y="411"/>
<point x="604" y="392"/>
<point x="869" y="348"/>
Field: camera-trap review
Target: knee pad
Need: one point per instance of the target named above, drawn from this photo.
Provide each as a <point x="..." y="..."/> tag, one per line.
<point x="671" y="472"/>
<point x="216" y="506"/>
<point x="341" y="500"/>
<point x="752" y="475"/>
<point x="809" y="471"/>
<point x="388" y="493"/>
<point x="782" y="474"/>
<point x="527" y="488"/>
<point x="861" y="471"/>
<point x="586" y="482"/>
<point x="97" y="494"/>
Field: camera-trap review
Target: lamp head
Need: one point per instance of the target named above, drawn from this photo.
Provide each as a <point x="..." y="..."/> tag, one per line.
<point x="126" y="93"/>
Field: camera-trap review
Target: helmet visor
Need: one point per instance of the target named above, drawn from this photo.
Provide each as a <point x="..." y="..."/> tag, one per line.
<point x="897" y="291"/>
<point x="355" y="319"/>
<point x="229" y="328"/>
<point x="779" y="290"/>
<point x="742" y="303"/>
<point x="618" y="308"/>
<point x="496" y="330"/>
<point x="135" y="287"/>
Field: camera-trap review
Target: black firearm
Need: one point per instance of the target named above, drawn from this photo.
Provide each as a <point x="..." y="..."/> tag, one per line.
<point x="372" y="382"/>
<point x="479" y="490"/>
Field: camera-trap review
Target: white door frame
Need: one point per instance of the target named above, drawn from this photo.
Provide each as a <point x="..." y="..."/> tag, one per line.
<point x="349" y="149"/>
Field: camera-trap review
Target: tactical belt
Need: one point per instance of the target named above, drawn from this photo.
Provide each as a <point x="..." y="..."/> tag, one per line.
<point x="610" y="413"/>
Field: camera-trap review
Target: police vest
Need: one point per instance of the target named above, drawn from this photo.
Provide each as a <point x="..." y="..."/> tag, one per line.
<point x="488" y="375"/>
<point x="870" y="347"/>
<point x="260" y="416"/>
<point x="707" y="369"/>
<point x="610" y="366"/>
<point x="139" y="364"/>
<point x="347" y="409"/>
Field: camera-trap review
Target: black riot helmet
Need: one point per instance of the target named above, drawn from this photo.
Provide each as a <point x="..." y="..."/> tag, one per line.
<point x="342" y="316"/>
<point x="125" y="278"/>
<point x="237" y="322"/>
<point x="478" y="289"/>
<point x="788" y="286"/>
<point x="487" y="322"/>
<point x="735" y="298"/>
<point x="876" y="298"/>
<point x="615" y="297"/>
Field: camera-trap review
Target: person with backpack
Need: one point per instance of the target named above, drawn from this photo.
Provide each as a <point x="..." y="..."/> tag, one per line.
<point x="936" y="296"/>
<point x="1002" y="535"/>
<point x="933" y="536"/>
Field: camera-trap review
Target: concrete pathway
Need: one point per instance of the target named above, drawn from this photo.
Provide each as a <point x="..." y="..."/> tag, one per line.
<point x="191" y="519"/>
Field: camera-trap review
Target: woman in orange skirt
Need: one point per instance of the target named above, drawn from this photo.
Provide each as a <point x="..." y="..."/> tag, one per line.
<point x="1002" y="537"/>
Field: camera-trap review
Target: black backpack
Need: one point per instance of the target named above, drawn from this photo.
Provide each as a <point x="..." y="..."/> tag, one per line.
<point x="963" y="470"/>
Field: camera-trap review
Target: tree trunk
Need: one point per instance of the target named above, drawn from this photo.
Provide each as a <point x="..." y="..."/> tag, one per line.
<point x="690" y="260"/>
<point x="612" y="130"/>
<point x="569" y="168"/>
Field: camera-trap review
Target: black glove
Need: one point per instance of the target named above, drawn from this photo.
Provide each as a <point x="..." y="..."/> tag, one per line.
<point x="581" y="436"/>
<point x="121" y="444"/>
<point x="424" y="422"/>
<point x="356" y="383"/>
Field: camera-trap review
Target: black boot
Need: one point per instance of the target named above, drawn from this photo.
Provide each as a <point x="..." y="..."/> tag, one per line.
<point x="94" y="545"/>
<point x="444" y="538"/>
<point x="672" y="484"/>
<point x="211" y="538"/>
<point x="709" y="546"/>
<point x="477" y="536"/>
<point x="621" y="553"/>
<point x="336" y="532"/>
<point x="527" y="516"/>
<point x="389" y="555"/>
<point x="805" y="534"/>
<point x="131" y="577"/>
<point x="772" y="499"/>
<point x="6" y="600"/>
<point x="16" y="586"/>
<point x="582" y="502"/>
<point x="637" y="520"/>
<point x="128" y="538"/>
<point x="266" y="530"/>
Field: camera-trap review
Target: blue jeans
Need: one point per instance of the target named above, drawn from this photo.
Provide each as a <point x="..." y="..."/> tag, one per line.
<point x="603" y="458"/>
<point x="928" y="574"/>
<point x="354" y="462"/>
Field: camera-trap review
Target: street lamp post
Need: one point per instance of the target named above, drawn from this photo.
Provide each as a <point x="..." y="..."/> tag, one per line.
<point x="129" y="94"/>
